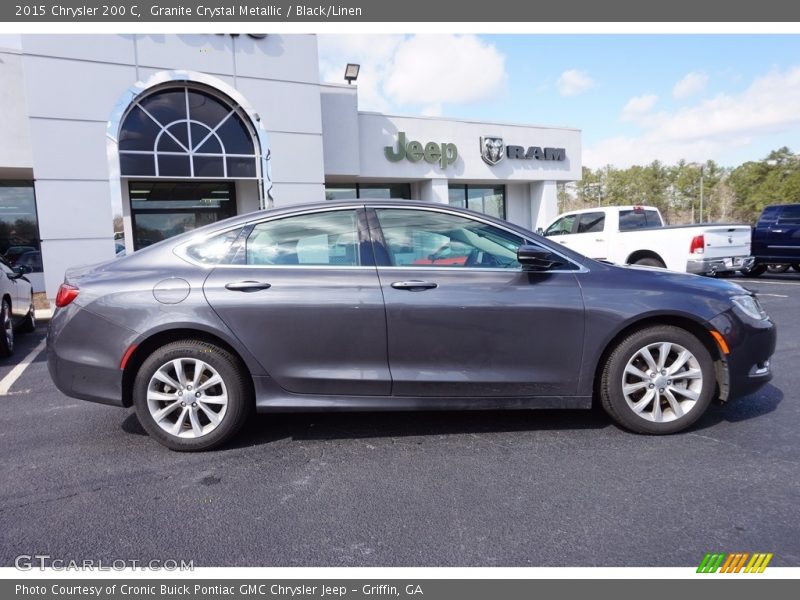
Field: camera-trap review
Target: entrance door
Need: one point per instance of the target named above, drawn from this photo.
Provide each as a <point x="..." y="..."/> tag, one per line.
<point x="162" y="209"/>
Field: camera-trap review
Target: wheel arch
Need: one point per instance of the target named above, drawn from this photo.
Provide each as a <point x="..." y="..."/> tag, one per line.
<point x="696" y="328"/>
<point x="640" y="254"/>
<point x="148" y="345"/>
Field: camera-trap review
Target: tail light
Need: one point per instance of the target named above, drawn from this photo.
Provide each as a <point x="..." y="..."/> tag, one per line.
<point x="66" y="294"/>
<point x="698" y="245"/>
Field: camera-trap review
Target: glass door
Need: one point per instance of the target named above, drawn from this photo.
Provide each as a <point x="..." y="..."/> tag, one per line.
<point x="162" y="209"/>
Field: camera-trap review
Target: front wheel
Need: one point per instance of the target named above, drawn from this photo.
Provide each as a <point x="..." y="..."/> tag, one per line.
<point x="192" y="395"/>
<point x="658" y="380"/>
<point x="7" y="333"/>
<point x="28" y="324"/>
<point x="777" y="268"/>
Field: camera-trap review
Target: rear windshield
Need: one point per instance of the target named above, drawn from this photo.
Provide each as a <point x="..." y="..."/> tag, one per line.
<point x="638" y="219"/>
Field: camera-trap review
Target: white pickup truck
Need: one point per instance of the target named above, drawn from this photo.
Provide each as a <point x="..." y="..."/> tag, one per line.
<point x="636" y="235"/>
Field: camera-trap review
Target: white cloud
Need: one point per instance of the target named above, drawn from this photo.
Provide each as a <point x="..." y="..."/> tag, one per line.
<point x="771" y="104"/>
<point x="691" y="84"/>
<point x="422" y="71"/>
<point x="573" y="82"/>
<point x="445" y="69"/>
<point x="638" y="106"/>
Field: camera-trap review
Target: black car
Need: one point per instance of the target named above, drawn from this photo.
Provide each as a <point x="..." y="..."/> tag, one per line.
<point x="395" y="305"/>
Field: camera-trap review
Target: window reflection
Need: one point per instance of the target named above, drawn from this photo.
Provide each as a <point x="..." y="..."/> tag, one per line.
<point x="19" y="226"/>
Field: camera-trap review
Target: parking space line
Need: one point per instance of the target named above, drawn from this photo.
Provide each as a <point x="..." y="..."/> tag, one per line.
<point x="16" y="372"/>
<point x="769" y="282"/>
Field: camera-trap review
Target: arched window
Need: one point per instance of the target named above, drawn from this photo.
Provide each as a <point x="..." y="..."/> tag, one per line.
<point x="186" y="132"/>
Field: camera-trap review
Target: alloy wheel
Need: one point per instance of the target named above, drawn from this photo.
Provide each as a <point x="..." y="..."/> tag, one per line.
<point x="187" y="398"/>
<point x="662" y="382"/>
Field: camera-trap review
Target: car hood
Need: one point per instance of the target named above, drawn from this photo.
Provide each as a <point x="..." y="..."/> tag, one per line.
<point x="699" y="284"/>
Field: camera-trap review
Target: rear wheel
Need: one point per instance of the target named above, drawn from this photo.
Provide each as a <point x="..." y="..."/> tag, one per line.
<point x="7" y="333"/>
<point x="754" y="271"/>
<point x="192" y="395"/>
<point x="658" y="380"/>
<point x="650" y="262"/>
<point x="29" y="322"/>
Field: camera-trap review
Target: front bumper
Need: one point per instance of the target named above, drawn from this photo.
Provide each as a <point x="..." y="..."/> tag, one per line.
<point x="752" y="344"/>
<point x="710" y="266"/>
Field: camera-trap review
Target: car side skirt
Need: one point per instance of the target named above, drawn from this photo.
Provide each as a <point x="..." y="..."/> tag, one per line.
<point x="272" y="398"/>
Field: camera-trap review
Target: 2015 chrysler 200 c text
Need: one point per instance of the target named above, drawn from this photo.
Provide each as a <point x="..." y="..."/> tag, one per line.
<point x="384" y="305"/>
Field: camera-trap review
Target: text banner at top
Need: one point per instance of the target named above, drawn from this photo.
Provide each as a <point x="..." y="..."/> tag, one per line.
<point x="356" y="11"/>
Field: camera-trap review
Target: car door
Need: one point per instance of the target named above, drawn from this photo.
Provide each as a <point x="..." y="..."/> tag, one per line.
<point x="784" y="235"/>
<point x="19" y="294"/>
<point x="463" y="318"/>
<point x="589" y="237"/>
<point x="302" y="293"/>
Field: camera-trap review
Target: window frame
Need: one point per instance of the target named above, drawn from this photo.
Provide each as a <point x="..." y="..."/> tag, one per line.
<point x="365" y="246"/>
<point x="383" y="258"/>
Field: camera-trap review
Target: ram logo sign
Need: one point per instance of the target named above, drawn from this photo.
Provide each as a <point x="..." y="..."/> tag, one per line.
<point x="493" y="150"/>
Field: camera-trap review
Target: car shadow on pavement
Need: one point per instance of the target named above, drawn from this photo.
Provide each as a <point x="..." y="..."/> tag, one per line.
<point x="753" y="406"/>
<point x="265" y="428"/>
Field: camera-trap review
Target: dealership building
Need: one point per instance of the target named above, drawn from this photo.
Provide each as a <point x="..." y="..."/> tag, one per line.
<point x="114" y="142"/>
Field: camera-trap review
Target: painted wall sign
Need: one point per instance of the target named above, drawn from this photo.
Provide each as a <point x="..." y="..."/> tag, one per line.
<point x="493" y="150"/>
<point x="444" y="153"/>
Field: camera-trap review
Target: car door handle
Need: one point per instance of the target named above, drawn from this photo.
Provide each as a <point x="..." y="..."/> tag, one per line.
<point x="777" y="231"/>
<point x="247" y="286"/>
<point x="414" y="286"/>
<point x="599" y="240"/>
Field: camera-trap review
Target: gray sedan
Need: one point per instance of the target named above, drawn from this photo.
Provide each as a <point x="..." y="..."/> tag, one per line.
<point x="389" y="305"/>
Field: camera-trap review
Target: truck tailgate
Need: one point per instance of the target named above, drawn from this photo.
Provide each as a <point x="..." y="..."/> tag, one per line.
<point x="724" y="241"/>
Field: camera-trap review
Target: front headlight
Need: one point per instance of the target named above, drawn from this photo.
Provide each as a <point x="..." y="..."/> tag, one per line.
<point x="750" y="306"/>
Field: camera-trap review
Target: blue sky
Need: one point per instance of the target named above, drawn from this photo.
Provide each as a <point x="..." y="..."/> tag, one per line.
<point x="729" y="98"/>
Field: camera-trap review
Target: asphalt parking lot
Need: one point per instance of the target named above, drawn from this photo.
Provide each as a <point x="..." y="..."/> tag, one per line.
<point x="539" y="488"/>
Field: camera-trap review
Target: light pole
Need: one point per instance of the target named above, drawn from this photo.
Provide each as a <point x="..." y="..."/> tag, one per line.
<point x="701" y="194"/>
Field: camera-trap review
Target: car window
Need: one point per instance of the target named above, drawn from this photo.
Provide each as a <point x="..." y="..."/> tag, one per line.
<point x="422" y="238"/>
<point x="213" y="250"/>
<point x="591" y="222"/>
<point x="561" y="226"/>
<point x="325" y="238"/>
<point x="790" y="214"/>
<point x="638" y="218"/>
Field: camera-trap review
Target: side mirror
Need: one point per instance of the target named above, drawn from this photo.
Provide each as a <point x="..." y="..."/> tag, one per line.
<point x="534" y="258"/>
<point x="540" y="231"/>
<point x="21" y="270"/>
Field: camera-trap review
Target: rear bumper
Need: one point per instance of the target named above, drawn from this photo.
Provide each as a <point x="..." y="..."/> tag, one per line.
<point x="705" y="266"/>
<point x="83" y="354"/>
<point x="752" y="345"/>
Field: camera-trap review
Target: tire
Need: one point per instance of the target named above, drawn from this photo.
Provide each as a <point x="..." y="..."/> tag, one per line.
<point x="650" y="262"/>
<point x="203" y="424"/>
<point x="754" y="271"/>
<point x="28" y="324"/>
<point x="777" y="268"/>
<point x="657" y="413"/>
<point x="6" y="330"/>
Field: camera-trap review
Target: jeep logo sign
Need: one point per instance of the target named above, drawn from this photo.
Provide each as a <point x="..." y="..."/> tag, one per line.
<point x="445" y="153"/>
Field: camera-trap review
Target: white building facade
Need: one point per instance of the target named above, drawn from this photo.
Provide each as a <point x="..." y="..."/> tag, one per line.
<point x="112" y="142"/>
